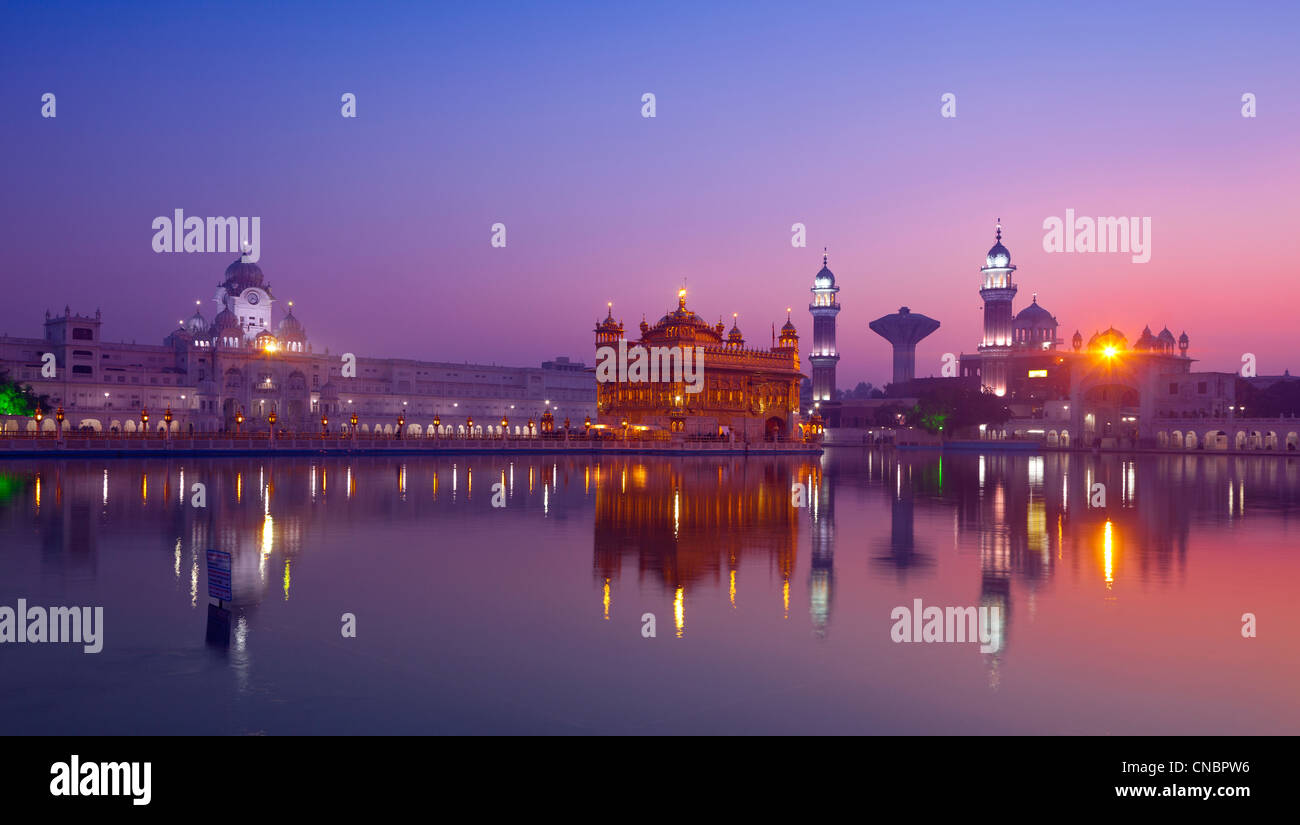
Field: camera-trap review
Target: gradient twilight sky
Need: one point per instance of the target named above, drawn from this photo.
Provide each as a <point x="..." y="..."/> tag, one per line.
<point x="378" y="228"/>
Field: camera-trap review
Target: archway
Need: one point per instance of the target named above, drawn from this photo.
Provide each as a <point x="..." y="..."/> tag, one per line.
<point x="1216" y="440"/>
<point x="1190" y="441"/>
<point x="1176" y="440"/>
<point x="774" y="429"/>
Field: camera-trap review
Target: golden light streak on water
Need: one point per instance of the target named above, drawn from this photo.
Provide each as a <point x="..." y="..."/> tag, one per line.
<point x="286" y="580"/>
<point x="605" y="599"/>
<point x="732" y="588"/>
<point x="785" y="597"/>
<point x="679" y="610"/>
<point x="1110" y="555"/>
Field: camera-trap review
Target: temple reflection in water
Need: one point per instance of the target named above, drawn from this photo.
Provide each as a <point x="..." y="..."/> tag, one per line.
<point x="688" y="529"/>
<point x="688" y="523"/>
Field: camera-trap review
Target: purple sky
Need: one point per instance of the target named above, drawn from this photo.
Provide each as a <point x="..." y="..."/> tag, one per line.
<point x="378" y="228"/>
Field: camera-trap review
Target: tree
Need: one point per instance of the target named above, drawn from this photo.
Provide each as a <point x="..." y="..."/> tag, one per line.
<point x="951" y="408"/>
<point x="18" y="400"/>
<point x="861" y="391"/>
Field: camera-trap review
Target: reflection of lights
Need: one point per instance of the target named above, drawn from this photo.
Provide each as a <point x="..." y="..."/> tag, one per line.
<point x="785" y="597"/>
<point x="605" y="599"/>
<point x="286" y="580"/>
<point x="267" y="527"/>
<point x="194" y="580"/>
<point x="38" y="492"/>
<point x="178" y="558"/>
<point x="105" y="487"/>
<point x="732" y="589"/>
<point x="1110" y="554"/>
<point x="679" y="611"/>
<point x="239" y="487"/>
<point x="677" y="511"/>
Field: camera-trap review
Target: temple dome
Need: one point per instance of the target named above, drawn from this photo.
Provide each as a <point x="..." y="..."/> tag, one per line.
<point x="241" y="275"/>
<point x="226" y="321"/>
<point x="1110" y="338"/>
<point x="291" y="327"/>
<point x="196" y="325"/>
<point x="1034" y="315"/>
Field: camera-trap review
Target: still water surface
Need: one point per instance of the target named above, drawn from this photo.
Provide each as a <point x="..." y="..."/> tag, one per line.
<point x="769" y="618"/>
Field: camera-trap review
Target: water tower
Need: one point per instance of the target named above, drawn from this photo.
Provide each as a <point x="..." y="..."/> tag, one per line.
<point x="904" y="329"/>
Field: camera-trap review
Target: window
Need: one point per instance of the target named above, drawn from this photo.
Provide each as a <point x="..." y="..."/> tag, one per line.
<point x="82" y="334"/>
<point x="1201" y="387"/>
<point x="82" y="369"/>
<point x="82" y="353"/>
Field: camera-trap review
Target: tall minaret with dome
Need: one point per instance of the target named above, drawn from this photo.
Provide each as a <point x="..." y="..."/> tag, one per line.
<point x="998" y="292"/>
<point x="823" y="355"/>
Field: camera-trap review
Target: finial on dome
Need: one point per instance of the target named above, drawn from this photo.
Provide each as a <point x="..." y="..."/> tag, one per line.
<point x="824" y="256"/>
<point x="1035" y="297"/>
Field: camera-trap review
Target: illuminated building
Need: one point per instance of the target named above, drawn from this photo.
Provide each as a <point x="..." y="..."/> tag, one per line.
<point x="747" y="394"/>
<point x="823" y="356"/>
<point x="208" y="373"/>
<point x="1103" y="392"/>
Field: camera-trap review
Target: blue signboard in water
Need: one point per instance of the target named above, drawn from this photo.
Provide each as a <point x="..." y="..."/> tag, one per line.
<point x="219" y="575"/>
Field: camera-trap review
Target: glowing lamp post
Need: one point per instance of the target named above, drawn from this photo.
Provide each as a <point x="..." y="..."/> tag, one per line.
<point x="586" y="426"/>
<point x="167" y="419"/>
<point x="324" y="425"/>
<point x="401" y="424"/>
<point x="239" y="420"/>
<point x="58" y="416"/>
<point x="469" y="426"/>
<point x="270" y="419"/>
<point x="353" y="422"/>
<point x="505" y="427"/>
<point x="38" y="415"/>
<point x="437" y="424"/>
<point x="530" y="428"/>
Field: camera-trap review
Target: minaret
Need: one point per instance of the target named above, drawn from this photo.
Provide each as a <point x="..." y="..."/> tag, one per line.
<point x="823" y="354"/>
<point x="998" y="292"/>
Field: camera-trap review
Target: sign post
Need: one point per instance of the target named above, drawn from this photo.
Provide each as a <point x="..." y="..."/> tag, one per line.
<point x="219" y="576"/>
